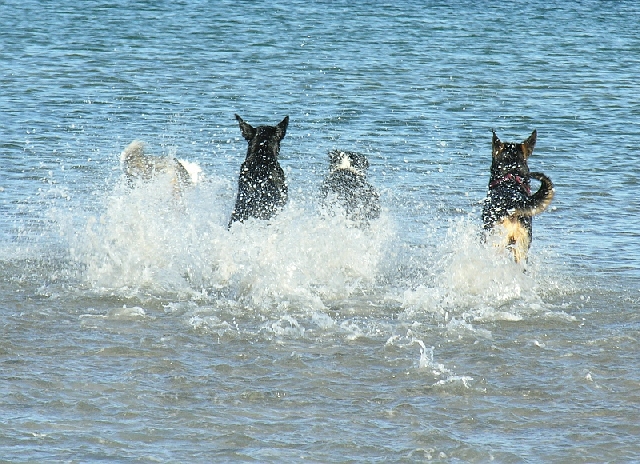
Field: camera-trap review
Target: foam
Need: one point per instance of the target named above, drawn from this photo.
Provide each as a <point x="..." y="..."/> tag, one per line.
<point x="146" y="241"/>
<point x="474" y="281"/>
<point x="323" y="271"/>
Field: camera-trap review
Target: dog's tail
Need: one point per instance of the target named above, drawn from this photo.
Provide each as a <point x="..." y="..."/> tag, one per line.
<point x="540" y="200"/>
<point x="189" y="172"/>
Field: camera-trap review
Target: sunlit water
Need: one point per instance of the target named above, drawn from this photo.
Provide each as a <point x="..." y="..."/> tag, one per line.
<point x="135" y="326"/>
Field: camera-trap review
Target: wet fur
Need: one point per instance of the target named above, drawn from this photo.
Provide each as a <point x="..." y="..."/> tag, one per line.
<point x="262" y="188"/>
<point x="138" y="166"/>
<point x="346" y="185"/>
<point x="509" y="205"/>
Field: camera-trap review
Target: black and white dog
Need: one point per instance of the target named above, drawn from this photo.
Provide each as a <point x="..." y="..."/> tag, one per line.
<point x="346" y="186"/>
<point x="262" y="188"/>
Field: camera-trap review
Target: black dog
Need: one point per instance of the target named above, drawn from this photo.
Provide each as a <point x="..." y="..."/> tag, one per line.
<point x="509" y="201"/>
<point x="262" y="189"/>
<point x="347" y="186"/>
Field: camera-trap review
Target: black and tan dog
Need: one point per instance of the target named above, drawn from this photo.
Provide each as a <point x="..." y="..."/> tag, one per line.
<point x="262" y="189"/>
<point x="346" y="186"/>
<point x="509" y="204"/>
<point x="138" y="166"/>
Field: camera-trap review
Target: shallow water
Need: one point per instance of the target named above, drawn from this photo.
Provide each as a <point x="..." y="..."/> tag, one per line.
<point x="135" y="326"/>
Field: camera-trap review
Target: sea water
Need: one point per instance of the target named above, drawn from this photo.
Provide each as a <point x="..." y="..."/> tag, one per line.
<point x="137" y="327"/>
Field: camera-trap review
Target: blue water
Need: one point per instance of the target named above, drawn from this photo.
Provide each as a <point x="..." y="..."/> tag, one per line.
<point x="136" y="329"/>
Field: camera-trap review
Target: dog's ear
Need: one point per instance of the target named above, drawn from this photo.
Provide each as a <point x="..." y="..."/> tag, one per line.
<point x="527" y="145"/>
<point x="334" y="158"/>
<point x="364" y="163"/>
<point x="248" y="132"/>
<point x="496" y="144"/>
<point x="282" y="127"/>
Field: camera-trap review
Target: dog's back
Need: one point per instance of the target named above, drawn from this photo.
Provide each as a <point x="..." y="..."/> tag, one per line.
<point x="262" y="188"/>
<point x="137" y="165"/>
<point x="346" y="186"/>
<point x="509" y="204"/>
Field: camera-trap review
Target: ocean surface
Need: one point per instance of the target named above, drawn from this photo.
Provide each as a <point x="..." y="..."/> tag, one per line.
<point x="135" y="327"/>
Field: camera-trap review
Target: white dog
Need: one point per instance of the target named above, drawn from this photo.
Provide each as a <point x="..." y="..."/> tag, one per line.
<point x="136" y="165"/>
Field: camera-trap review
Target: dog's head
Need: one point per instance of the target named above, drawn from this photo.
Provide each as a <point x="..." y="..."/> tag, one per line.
<point x="511" y="158"/>
<point x="349" y="161"/>
<point x="264" y="141"/>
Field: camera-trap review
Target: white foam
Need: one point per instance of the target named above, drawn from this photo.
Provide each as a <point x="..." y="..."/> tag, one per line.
<point x="456" y="379"/>
<point x="123" y="313"/>
<point x="475" y="281"/>
<point x="286" y="326"/>
<point x="146" y="240"/>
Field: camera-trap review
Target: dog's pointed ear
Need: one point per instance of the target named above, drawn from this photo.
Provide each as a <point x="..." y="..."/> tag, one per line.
<point x="527" y="145"/>
<point x="248" y="132"/>
<point x="496" y="144"/>
<point x="282" y="127"/>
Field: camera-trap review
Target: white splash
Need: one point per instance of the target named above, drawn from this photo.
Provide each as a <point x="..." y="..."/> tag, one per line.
<point x="147" y="240"/>
<point x="475" y="281"/>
